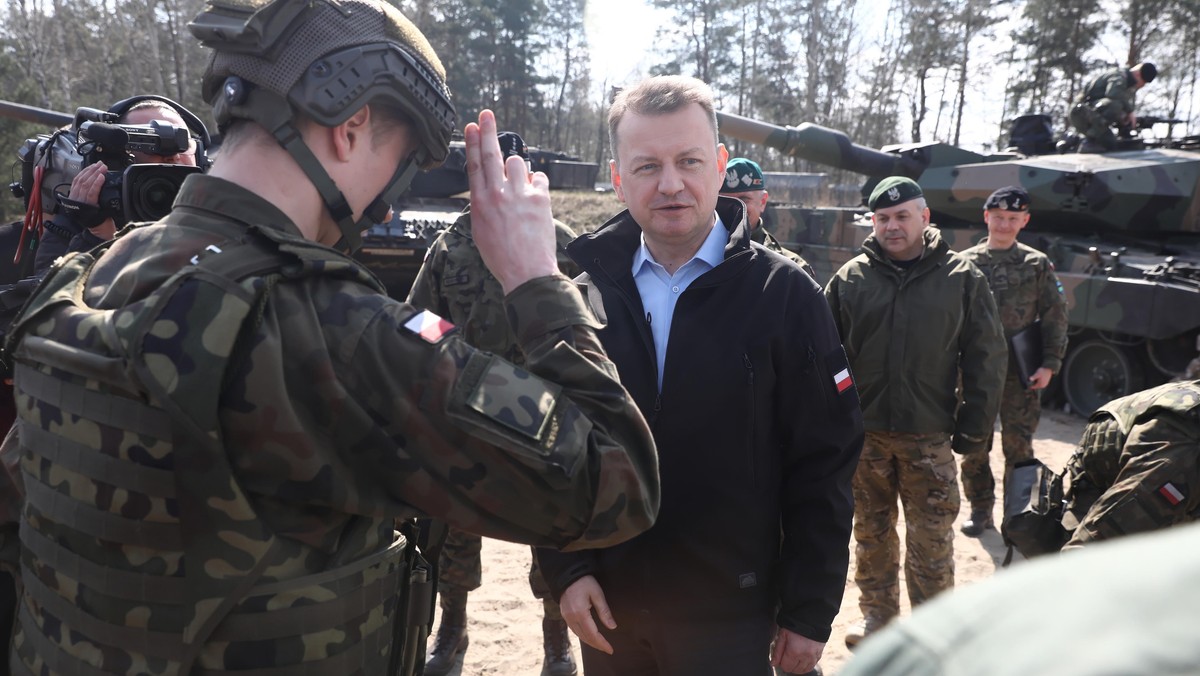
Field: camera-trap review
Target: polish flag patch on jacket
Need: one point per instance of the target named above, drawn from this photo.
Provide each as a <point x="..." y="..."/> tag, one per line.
<point x="430" y="327"/>
<point x="1171" y="494"/>
<point x="842" y="380"/>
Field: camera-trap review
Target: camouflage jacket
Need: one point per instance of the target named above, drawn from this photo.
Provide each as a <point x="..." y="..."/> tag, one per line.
<point x="1137" y="467"/>
<point x="910" y="334"/>
<point x="454" y="283"/>
<point x="345" y="411"/>
<point x="1026" y="289"/>
<point x="768" y="240"/>
<point x="1111" y="95"/>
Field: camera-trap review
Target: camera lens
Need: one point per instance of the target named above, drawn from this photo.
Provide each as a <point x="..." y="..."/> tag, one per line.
<point x="154" y="198"/>
<point x="150" y="189"/>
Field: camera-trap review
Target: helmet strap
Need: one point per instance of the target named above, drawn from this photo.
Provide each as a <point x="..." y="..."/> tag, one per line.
<point x="275" y="115"/>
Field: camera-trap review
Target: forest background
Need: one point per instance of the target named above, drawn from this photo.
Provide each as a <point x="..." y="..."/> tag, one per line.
<point x="883" y="71"/>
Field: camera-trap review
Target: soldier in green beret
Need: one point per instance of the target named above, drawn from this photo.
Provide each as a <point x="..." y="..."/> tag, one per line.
<point x="1029" y="297"/>
<point x="915" y="318"/>
<point x="744" y="180"/>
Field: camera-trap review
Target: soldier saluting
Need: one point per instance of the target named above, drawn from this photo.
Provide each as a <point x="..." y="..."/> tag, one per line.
<point x="222" y="417"/>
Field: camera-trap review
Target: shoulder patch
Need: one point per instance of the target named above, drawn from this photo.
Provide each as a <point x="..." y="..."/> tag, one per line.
<point x="837" y="368"/>
<point x="515" y="398"/>
<point x="429" y="326"/>
<point x="1171" y="494"/>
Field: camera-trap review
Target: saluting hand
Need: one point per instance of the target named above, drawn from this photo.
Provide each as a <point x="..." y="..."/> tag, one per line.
<point x="510" y="209"/>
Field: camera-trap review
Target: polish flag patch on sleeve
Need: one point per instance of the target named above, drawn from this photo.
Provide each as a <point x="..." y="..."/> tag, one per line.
<point x="1171" y="494"/>
<point x="430" y="327"/>
<point x="842" y="380"/>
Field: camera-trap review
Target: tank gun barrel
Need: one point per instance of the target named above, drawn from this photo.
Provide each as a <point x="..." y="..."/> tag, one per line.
<point x="819" y="144"/>
<point x="20" y="111"/>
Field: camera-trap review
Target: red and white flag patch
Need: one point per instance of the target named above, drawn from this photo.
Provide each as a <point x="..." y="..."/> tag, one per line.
<point x="842" y="380"/>
<point x="1172" y="494"/>
<point x="429" y="326"/>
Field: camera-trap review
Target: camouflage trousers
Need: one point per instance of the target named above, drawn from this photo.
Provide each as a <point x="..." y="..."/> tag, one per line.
<point x="919" y="470"/>
<point x="460" y="568"/>
<point x="1020" y="410"/>
<point x="1094" y="126"/>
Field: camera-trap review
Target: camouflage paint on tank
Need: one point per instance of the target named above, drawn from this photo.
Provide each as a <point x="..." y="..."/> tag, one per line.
<point x="1122" y="228"/>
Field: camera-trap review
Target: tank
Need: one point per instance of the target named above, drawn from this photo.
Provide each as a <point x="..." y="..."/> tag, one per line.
<point x="1122" y="228"/>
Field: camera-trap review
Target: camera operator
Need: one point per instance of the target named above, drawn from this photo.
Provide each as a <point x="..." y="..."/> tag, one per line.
<point x="66" y="233"/>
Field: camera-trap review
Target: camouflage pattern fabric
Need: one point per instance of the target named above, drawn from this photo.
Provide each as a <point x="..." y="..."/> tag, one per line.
<point x="1026" y="289"/>
<point x="1137" y="467"/>
<point x="1105" y="102"/>
<point x="454" y="283"/>
<point x="345" y="411"/>
<point x="765" y="238"/>
<point x="919" y="470"/>
<point x="1020" y="411"/>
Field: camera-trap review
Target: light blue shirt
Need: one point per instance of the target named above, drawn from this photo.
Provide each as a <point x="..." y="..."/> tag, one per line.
<point x="660" y="290"/>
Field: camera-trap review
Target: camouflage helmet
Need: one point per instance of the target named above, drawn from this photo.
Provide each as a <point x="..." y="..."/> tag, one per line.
<point x="276" y="60"/>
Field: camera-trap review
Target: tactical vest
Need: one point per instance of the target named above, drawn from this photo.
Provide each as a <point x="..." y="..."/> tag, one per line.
<point x="140" y="552"/>
<point x="1094" y="466"/>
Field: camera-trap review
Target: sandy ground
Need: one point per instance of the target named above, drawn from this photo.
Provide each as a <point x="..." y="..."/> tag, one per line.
<point x="505" y="619"/>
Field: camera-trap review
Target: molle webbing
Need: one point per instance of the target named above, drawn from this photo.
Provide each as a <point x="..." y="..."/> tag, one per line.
<point x="117" y="459"/>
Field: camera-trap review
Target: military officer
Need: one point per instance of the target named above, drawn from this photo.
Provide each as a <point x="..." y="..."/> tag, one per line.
<point x="454" y="282"/>
<point x="915" y="318"/>
<point x="744" y="180"/>
<point x="1028" y="296"/>
<point x="222" y="418"/>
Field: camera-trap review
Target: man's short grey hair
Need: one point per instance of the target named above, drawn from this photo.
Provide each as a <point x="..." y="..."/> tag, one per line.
<point x="660" y="95"/>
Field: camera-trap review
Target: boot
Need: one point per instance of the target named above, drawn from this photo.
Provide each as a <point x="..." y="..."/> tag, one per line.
<point x="557" y="642"/>
<point x="451" y="639"/>
<point x="981" y="520"/>
<point x="855" y="634"/>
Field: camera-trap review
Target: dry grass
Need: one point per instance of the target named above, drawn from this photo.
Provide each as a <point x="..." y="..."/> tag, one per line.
<point x="584" y="210"/>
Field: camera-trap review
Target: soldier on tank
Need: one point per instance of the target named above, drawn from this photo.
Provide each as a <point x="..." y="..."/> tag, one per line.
<point x="1107" y="102"/>
<point x="455" y="283"/>
<point x="223" y="417"/>
<point x="1137" y="467"/>
<point x="915" y="318"/>
<point x="744" y="180"/>
<point x="1026" y="291"/>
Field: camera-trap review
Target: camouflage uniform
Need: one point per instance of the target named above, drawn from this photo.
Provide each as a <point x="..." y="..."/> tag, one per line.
<point x="1105" y="102"/>
<point x="910" y="333"/>
<point x="221" y="488"/>
<point x="765" y="238"/>
<point x="1137" y="467"/>
<point x="455" y="283"/>
<point x="1026" y="289"/>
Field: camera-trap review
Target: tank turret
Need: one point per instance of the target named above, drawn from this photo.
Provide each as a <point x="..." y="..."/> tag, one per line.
<point x="1122" y="228"/>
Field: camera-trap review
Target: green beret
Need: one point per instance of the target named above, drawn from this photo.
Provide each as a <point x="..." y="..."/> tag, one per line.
<point x="893" y="190"/>
<point x="742" y="175"/>
<point x="1008" y="198"/>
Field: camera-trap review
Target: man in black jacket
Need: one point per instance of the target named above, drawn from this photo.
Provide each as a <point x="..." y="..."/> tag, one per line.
<point x="731" y="353"/>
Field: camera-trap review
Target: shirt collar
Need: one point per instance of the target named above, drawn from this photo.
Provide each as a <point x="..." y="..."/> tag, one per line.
<point x="712" y="251"/>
